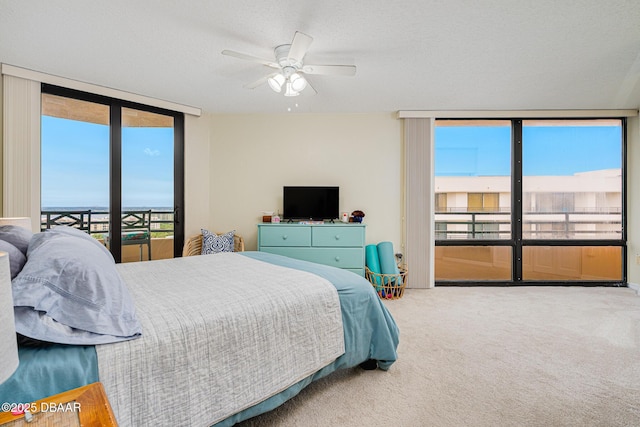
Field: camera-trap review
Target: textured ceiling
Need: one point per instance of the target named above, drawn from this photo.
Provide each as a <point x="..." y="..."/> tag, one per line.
<point x="411" y="55"/>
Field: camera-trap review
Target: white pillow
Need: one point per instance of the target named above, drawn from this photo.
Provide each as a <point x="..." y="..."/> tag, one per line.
<point x="16" y="258"/>
<point x="17" y="236"/>
<point x="70" y="292"/>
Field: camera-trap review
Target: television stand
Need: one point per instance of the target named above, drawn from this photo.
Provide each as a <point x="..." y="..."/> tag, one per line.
<point x="338" y="245"/>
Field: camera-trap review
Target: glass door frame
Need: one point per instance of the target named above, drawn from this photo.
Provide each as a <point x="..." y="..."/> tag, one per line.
<point x="115" y="162"/>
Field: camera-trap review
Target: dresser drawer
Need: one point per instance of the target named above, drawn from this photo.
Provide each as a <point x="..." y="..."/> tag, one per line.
<point x="341" y="257"/>
<point x="338" y="236"/>
<point x="284" y="235"/>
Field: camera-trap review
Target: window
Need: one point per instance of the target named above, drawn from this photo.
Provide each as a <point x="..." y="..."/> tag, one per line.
<point x="536" y="202"/>
<point x="582" y="159"/>
<point x="572" y="188"/>
<point x="483" y="202"/>
<point x="473" y="171"/>
<point x="529" y="201"/>
<point x="469" y="155"/>
<point x="75" y="154"/>
<point x="441" y="202"/>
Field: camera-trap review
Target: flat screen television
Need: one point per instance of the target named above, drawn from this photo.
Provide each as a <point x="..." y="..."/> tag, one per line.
<point x="310" y="203"/>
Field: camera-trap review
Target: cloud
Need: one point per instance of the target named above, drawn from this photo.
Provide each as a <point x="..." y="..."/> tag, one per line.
<point x="149" y="152"/>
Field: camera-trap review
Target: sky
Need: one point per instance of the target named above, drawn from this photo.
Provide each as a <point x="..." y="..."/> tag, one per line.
<point x="75" y="158"/>
<point x="546" y="150"/>
<point x="75" y="165"/>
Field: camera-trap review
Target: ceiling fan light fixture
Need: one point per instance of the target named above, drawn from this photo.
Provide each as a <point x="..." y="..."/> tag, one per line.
<point x="298" y="83"/>
<point x="289" y="91"/>
<point x="289" y="72"/>
<point x="276" y="82"/>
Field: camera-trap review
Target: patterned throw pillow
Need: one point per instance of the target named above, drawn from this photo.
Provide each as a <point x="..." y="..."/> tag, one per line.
<point x="213" y="243"/>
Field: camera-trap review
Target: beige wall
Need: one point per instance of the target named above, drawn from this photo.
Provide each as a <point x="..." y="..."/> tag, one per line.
<point x="633" y="201"/>
<point x="253" y="156"/>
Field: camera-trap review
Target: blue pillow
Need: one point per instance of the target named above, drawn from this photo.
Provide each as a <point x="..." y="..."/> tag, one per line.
<point x="213" y="243"/>
<point x="17" y="236"/>
<point x="70" y="292"/>
<point x="16" y="258"/>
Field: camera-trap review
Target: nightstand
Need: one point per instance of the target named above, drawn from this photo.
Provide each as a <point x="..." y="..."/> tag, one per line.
<point x="85" y="406"/>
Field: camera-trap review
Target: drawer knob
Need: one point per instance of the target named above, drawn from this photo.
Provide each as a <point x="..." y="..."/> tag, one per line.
<point x="337" y="259"/>
<point x="285" y="237"/>
<point x="337" y="237"/>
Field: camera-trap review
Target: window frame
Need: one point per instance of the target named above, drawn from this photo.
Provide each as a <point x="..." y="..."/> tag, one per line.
<point x="115" y="161"/>
<point x="516" y="240"/>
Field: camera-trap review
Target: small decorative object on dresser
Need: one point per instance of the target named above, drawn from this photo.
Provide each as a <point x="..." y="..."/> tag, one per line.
<point x="357" y="216"/>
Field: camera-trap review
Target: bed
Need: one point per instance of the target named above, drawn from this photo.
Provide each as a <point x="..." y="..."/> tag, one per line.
<point x="224" y="337"/>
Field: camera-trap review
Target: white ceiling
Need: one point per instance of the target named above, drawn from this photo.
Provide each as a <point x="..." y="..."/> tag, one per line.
<point x="411" y="55"/>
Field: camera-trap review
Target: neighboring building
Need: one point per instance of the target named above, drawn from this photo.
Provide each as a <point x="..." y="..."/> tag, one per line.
<point x="585" y="205"/>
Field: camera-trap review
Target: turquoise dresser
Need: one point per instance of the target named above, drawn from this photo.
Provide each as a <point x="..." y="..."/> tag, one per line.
<point x="339" y="245"/>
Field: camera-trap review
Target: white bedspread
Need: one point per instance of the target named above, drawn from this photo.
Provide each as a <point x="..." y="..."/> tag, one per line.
<point x="220" y="333"/>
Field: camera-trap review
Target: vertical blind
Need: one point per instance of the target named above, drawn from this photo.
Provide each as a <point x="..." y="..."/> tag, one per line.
<point x="419" y="241"/>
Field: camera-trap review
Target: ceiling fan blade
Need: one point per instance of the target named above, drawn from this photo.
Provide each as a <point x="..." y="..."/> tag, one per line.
<point x="252" y="58"/>
<point x="260" y="81"/>
<point x="331" y="70"/>
<point x="299" y="46"/>
<point x="309" y="90"/>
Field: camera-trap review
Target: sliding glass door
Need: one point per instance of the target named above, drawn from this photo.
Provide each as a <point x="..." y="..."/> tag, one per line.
<point x="114" y="170"/>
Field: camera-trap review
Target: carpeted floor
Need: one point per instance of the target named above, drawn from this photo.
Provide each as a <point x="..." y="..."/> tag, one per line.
<point x="518" y="356"/>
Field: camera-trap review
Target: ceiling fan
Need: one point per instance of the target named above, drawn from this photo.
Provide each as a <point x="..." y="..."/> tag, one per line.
<point x="290" y="66"/>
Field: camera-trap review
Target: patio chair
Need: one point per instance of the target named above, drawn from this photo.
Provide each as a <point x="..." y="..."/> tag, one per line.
<point x="136" y="229"/>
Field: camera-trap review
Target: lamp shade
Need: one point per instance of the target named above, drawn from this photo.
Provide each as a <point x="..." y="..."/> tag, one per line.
<point x="24" y="222"/>
<point x="276" y="82"/>
<point x="8" y="341"/>
<point x="298" y="83"/>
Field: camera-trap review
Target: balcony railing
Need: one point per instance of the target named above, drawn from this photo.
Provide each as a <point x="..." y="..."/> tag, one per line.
<point x="582" y="224"/>
<point x="96" y="222"/>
